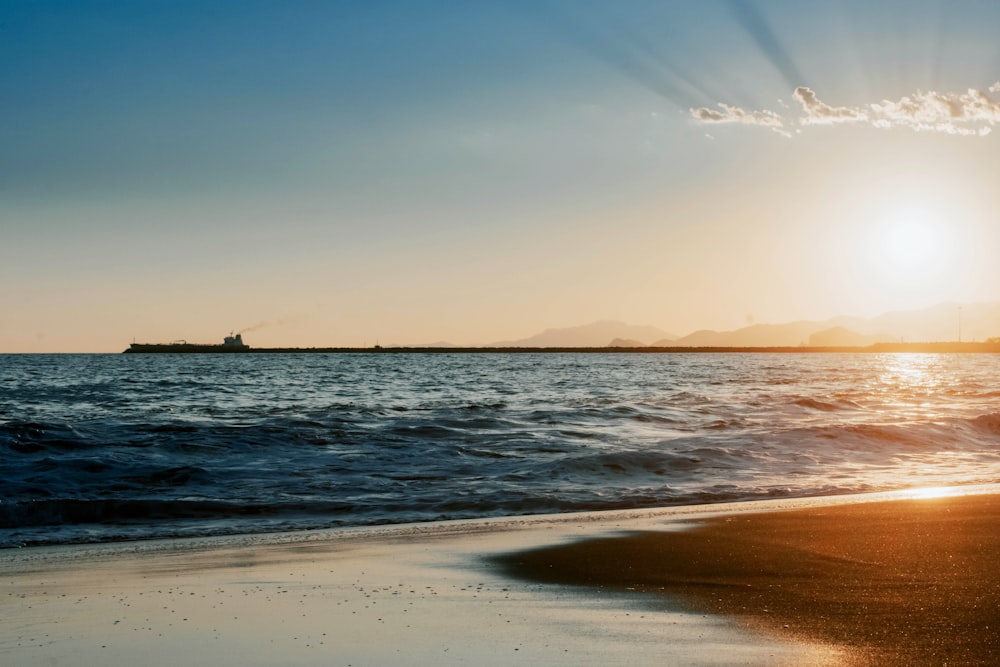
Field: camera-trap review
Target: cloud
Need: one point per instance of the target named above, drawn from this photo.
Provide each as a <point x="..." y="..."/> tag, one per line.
<point x="820" y="113"/>
<point x="730" y="114"/>
<point x="969" y="113"/>
<point x="972" y="113"/>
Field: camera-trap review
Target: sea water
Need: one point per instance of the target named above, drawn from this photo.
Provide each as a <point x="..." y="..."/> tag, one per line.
<point x="116" y="447"/>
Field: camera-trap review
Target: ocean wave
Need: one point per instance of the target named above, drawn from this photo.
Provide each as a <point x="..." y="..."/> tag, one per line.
<point x="156" y="447"/>
<point x="58" y="512"/>
<point x="989" y="423"/>
<point x="37" y="437"/>
<point x="825" y="406"/>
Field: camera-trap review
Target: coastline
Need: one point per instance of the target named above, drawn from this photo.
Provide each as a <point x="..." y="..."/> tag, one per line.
<point x="892" y="582"/>
<point x="413" y="594"/>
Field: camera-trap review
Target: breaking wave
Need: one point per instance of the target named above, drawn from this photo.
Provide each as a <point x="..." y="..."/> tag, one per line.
<point x="164" y="446"/>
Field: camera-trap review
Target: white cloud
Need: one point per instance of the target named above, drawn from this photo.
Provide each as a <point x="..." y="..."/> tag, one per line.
<point x="969" y="113"/>
<point x="972" y="113"/>
<point x="730" y="114"/>
<point x="821" y="113"/>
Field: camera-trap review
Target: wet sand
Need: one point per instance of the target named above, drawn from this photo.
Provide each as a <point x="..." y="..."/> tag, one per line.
<point x="436" y="594"/>
<point x="913" y="582"/>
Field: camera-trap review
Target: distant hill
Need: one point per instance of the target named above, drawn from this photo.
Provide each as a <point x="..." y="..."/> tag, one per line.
<point x="978" y="321"/>
<point x="758" y="335"/>
<point x="942" y="322"/>
<point x="939" y="323"/>
<point x="596" y="334"/>
<point x="626" y="342"/>
<point x="841" y="337"/>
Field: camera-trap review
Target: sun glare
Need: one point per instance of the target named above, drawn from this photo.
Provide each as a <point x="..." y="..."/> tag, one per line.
<point x="929" y="492"/>
<point x="910" y="247"/>
<point x="909" y="239"/>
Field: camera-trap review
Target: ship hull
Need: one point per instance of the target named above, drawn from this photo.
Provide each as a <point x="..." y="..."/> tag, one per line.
<point x="183" y="348"/>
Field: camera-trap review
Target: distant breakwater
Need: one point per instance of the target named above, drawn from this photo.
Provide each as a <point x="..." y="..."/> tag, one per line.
<point x="930" y="348"/>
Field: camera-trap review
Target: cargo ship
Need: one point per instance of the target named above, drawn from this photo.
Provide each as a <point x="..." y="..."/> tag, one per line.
<point x="231" y="343"/>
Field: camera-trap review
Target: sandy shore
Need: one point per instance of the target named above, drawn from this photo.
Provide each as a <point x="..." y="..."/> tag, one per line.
<point x="437" y="593"/>
<point x="904" y="582"/>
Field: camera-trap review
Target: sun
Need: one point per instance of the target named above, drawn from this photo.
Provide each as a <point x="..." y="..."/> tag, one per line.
<point x="910" y="247"/>
<point x="908" y="239"/>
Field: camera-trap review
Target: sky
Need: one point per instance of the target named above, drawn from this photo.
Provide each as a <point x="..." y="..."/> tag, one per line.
<point x="408" y="172"/>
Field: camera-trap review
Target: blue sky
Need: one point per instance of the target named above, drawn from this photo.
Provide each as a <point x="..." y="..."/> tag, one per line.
<point x="347" y="172"/>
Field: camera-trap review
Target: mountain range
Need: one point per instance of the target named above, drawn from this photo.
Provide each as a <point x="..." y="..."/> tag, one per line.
<point x="942" y="322"/>
<point x="596" y="334"/>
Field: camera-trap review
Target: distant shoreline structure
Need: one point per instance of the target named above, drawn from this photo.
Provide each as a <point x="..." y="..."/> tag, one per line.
<point x="224" y="348"/>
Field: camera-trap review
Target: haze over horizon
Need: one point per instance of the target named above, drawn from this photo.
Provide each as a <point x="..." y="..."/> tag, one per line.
<point x="350" y="173"/>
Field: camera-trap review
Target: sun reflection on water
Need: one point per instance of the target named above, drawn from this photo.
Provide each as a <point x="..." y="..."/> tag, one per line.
<point x="910" y="384"/>
<point x="928" y="492"/>
<point x="912" y="370"/>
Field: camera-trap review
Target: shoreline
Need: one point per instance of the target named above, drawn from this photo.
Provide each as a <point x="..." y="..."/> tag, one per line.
<point x="906" y="582"/>
<point x="414" y="594"/>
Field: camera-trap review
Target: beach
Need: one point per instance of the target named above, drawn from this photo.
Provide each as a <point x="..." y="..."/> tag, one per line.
<point x="905" y="582"/>
<point x="699" y="585"/>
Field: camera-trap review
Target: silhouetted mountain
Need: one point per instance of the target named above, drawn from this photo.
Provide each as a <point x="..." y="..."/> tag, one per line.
<point x="626" y="342"/>
<point x="758" y="335"/>
<point x="596" y="334"/>
<point x="977" y="321"/>
<point x="841" y="337"/>
<point x="943" y="322"/>
<point x="939" y="323"/>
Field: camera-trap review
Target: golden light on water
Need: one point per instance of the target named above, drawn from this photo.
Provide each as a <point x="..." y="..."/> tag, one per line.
<point x="909" y="378"/>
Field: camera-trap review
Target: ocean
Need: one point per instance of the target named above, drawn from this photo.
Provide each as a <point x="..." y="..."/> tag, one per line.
<point x="122" y="447"/>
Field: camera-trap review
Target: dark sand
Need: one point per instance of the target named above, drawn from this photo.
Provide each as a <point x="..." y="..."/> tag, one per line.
<point x="911" y="582"/>
<point x="423" y="594"/>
